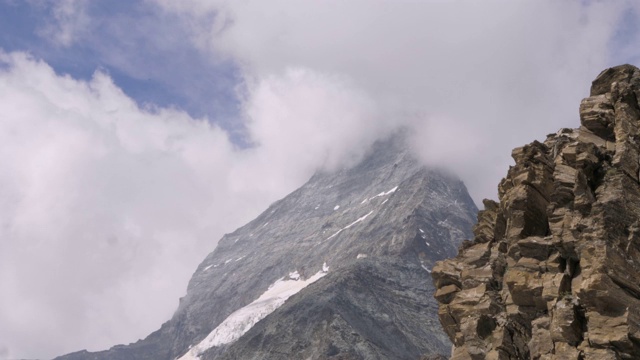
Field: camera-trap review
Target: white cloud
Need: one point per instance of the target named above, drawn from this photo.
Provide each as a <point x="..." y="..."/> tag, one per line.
<point x="322" y="116"/>
<point x="503" y="72"/>
<point x="68" y="23"/>
<point x="105" y="208"/>
<point x="93" y="190"/>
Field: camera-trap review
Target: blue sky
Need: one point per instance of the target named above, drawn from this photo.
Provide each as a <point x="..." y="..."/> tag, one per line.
<point x="145" y="51"/>
<point x="626" y="38"/>
<point x="134" y="134"/>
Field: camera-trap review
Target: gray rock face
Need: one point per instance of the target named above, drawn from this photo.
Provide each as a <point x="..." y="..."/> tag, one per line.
<point x="374" y="229"/>
<point x="370" y="309"/>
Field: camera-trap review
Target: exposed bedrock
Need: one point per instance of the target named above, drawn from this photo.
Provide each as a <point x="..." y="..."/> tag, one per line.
<point x="553" y="271"/>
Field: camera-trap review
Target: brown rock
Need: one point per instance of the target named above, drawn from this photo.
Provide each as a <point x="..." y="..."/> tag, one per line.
<point x="566" y="323"/>
<point x="446" y="293"/>
<point x="553" y="271"/>
<point x="596" y="114"/>
<point x="600" y="354"/>
<point x="564" y="351"/>
<point x="540" y="345"/>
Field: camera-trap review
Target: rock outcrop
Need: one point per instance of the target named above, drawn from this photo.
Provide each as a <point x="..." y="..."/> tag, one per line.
<point x="553" y="271"/>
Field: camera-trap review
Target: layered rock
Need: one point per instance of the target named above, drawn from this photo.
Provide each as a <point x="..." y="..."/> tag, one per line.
<point x="553" y="271"/>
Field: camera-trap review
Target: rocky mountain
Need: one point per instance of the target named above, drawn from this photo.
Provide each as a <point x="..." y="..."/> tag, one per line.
<point x="553" y="271"/>
<point x="338" y="269"/>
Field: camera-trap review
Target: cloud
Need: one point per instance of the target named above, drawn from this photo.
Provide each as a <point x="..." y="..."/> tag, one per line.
<point x="500" y="73"/>
<point x="106" y="207"/>
<point x="68" y="23"/>
<point x="97" y="198"/>
<point x="141" y="47"/>
<point x="323" y="116"/>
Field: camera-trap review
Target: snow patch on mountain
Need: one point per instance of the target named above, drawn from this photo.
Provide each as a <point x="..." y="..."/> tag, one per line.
<point x="350" y="225"/>
<point x="384" y="193"/>
<point x="243" y="319"/>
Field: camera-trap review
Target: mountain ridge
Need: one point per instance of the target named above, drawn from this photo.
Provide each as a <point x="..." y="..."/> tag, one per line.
<point x="386" y="207"/>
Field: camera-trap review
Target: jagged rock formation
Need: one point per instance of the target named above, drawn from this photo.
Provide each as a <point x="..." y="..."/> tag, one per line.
<point x="368" y="235"/>
<point x="553" y="271"/>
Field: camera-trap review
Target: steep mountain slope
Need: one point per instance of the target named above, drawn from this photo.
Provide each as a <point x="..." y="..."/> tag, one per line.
<point x="554" y="268"/>
<point x="386" y="216"/>
<point x="371" y="309"/>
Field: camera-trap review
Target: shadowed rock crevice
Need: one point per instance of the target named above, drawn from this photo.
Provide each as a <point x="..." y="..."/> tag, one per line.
<point x="553" y="271"/>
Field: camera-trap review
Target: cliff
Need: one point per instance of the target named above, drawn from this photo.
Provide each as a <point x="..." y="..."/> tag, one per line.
<point x="553" y="271"/>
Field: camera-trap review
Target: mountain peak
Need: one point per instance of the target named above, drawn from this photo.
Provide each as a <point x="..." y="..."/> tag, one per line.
<point x="380" y="224"/>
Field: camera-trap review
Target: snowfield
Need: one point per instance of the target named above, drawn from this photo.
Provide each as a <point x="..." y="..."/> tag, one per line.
<point x="243" y="319"/>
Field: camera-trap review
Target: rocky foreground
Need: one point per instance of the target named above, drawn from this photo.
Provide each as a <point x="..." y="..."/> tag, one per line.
<point x="553" y="271"/>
